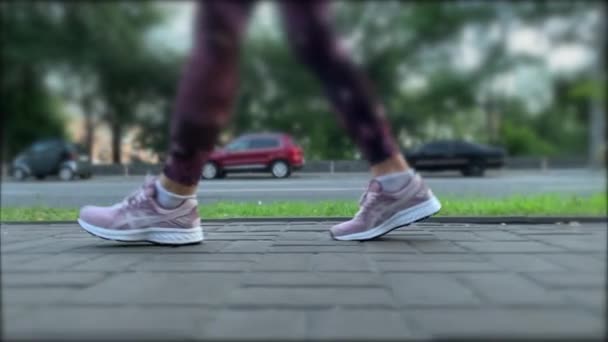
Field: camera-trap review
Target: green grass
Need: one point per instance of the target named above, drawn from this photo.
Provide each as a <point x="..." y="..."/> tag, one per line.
<point x="536" y="205"/>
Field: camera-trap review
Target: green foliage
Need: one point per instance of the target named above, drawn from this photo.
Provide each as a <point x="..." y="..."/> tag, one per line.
<point x="29" y="111"/>
<point x="395" y="42"/>
<point x="523" y="140"/>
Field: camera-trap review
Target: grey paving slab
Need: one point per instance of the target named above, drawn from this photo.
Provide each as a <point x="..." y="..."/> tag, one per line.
<point x="436" y="246"/>
<point x="593" y="299"/>
<point x="115" y="262"/>
<point x="508" y="246"/>
<point x="313" y="279"/>
<point x="290" y="281"/>
<point x="389" y="246"/>
<point x="457" y="236"/>
<point x="158" y="288"/>
<point x="52" y="262"/>
<point x="425" y="257"/>
<point x="341" y="262"/>
<point x="203" y="265"/>
<point x="51" y="279"/>
<point x="247" y="247"/>
<point x="438" y="266"/>
<point x="570" y="280"/>
<point x="304" y="235"/>
<point x="254" y="324"/>
<point x="510" y="289"/>
<point x="284" y="262"/>
<point x="430" y="290"/>
<point x="513" y="323"/>
<point x="358" y="324"/>
<point x="317" y="249"/>
<point x="35" y="296"/>
<point x="577" y="262"/>
<point x="244" y="236"/>
<point x="303" y="297"/>
<point x="523" y="262"/>
<point x="110" y="323"/>
<point x="587" y="243"/>
<point x="499" y="235"/>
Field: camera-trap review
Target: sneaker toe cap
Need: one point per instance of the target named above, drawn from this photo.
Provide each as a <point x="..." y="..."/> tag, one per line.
<point x="345" y="228"/>
<point x="97" y="216"/>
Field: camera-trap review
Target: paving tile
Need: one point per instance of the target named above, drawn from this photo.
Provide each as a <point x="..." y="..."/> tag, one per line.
<point x="573" y="280"/>
<point x="429" y="290"/>
<point x="313" y="279"/>
<point x="51" y="279"/>
<point x="159" y="288"/>
<point x="508" y="247"/>
<point x="110" y="323"/>
<point x="272" y="324"/>
<point x="370" y="324"/>
<point x="310" y="297"/>
<point x="510" y="289"/>
<point x="505" y="323"/>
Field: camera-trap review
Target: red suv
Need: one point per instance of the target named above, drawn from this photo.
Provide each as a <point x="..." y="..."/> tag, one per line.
<point x="265" y="152"/>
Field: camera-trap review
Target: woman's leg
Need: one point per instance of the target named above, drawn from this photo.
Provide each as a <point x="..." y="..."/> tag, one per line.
<point x="360" y="112"/>
<point x="166" y="211"/>
<point x="396" y="196"/>
<point x="207" y="91"/>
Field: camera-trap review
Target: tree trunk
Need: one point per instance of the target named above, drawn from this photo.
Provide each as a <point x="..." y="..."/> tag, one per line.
<point x="89" y="126"/>
<point x="597" y="114"/>
<point x="116" y="139"/>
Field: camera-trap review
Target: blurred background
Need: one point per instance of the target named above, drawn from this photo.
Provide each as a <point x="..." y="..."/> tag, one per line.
<point x="525" y="75"/>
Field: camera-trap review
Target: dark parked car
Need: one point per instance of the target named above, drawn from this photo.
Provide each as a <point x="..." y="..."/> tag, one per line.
<point x="52" y="157"/>
<point x="276" y="153"/>
<point x="469" y="158"/>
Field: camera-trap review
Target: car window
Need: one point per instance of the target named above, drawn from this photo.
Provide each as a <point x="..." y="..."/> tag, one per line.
<point x="40" y="147"/>
<point x="238" y="145"/>
<point x="463" y="146"/>
<point x="436" y="147"/>
<point x="260" y="143"/>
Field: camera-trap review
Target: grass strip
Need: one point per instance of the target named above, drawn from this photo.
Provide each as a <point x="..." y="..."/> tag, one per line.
<point x="520" y="205"/>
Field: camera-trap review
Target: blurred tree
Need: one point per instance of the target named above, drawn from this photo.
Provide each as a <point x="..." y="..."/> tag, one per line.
<point x="412" y="51"/>
<point x="28" y="110"/>
<point x="112" y="45"/>
<point x="98" y="49"/>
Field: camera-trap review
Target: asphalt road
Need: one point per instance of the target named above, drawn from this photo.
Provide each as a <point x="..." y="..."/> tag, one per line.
<point x="303" y="187"/>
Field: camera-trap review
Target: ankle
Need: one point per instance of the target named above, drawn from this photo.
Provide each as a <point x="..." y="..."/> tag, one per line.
<point x="395" y="164"/>
<point x="177" y="188"/>
<point x="168" y="199"/>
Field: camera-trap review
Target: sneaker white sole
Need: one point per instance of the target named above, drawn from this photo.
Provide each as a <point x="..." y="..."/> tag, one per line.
<point x="402" y="218"/>
<point x="166" y="236"/>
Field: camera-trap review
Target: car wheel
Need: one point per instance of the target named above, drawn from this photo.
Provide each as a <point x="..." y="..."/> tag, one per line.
<point x="66" y="174"/>
<point x="19" y="174"/>
<point x="280" y="169"/>
<point x="210" y="171"/>
<point x="474" y="169"/>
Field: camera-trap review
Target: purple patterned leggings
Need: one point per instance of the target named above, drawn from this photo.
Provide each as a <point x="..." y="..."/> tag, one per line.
<point x="208" y="86"/>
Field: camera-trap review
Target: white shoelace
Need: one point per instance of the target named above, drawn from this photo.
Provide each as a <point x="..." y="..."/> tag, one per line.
<point x="135" y="197"/>
<point x="368" y="199"/>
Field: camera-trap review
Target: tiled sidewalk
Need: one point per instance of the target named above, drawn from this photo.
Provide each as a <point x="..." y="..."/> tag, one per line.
<point x="289" y="280"/>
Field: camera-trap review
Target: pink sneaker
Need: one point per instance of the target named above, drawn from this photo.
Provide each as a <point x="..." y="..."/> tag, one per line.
<point x="140" y="218"/>
<point x="381" y="212"/>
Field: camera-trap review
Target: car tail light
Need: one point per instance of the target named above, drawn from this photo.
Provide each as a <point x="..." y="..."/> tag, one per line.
<point x="295" y="152"/>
